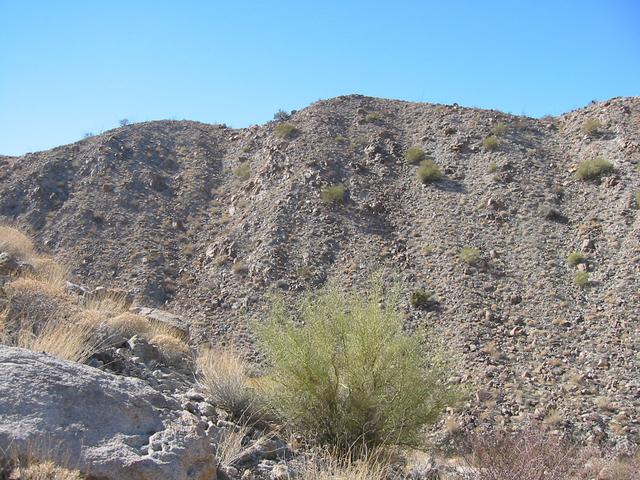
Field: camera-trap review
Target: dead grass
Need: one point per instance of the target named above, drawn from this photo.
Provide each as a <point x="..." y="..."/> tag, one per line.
<point x="66" y="340"/>
<point x="130" y="324"/>
<point x="173" y="349"/>
<point x="110" y="302"/>
<point x="224" y="376"/>
<point x="528" y="455"/>
<point x="44" y="471"/>
<point x="37" y="460"/>
<point x="326" y="466"/>
<point x="229" y="445"/>
<point x="16" y="243"/>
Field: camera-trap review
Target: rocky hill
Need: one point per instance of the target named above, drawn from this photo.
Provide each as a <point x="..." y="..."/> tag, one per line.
<point x="203" y="220"/>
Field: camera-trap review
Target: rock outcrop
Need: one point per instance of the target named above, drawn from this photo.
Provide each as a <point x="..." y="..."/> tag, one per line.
<point x="109" y="427"/>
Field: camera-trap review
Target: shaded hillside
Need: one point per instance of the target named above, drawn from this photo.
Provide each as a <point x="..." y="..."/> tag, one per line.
<point x="205" y="219"/>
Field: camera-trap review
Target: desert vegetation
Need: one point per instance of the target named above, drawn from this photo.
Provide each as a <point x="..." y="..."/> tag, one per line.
<point x="593" y="169"/>
<point x="414" y="155"/>
<point x="490" y="143"/>
<point x="333" y="194"/>
<point x="429" y="172"/>
<point x="286" y="130"/>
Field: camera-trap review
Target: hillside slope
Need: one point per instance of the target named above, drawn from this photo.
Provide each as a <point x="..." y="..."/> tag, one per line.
<point x="206" y="219"/>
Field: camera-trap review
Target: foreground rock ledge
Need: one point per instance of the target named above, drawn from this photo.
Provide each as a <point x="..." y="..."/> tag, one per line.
<point x="108" y="426"/>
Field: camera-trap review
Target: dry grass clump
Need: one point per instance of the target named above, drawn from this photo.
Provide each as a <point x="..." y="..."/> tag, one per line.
<point x="592" y="127"/>
<point x="610" y="469"/>
<point x="16" y="243"/>
<point x="470" y="255"/>
<point x="46" y="470"/>
<point x="109" y="302"/>
<point x="286" y="130"/>
<point x="223" y="374"/>
<point x="593" y="169"/>
<point x="414" y="155"/>
<point x="575" y="258"/>
<point x="66" y="340"/>
<point x="173" y="349"/>
<point x="490" y="143"/>
<point x="581" y="279"/>
<point x="528" y="455"/>
<point x="230" y="444"/>
<point x="32" y="302"/>
<point x="333" y="194"/>
<point x="337" y="467"/>
<point x="129" y="324"/>
<point x="429" y="172"/>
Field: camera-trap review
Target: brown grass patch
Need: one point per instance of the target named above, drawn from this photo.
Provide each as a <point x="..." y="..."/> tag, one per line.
<point x="173" y="349"/>
<point x="16" y="243"/>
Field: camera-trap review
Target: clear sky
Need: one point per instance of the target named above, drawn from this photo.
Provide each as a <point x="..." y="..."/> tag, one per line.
<point x="71" y="67"/>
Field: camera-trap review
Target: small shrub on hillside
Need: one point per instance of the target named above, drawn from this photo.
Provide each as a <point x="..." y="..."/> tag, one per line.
<point x="281" y="116"/>
<point x="373" y="117"/>
<point x="592" y="127"/>
<point x="243" y="172"/>
<point x="333" y="194"/>
<point x="499" y="129"/>
<point x="414" y="155"/>
<point x="470" y="255"/>
<point x="123" y="122"/>
<point x="429" y="172"/>
<point x="492" y="168"/>
<point x="344" y="372"/>
<point x="490" y="143"/>
<point x="593" y="169"/>
<point x="16" y="243"/>
<point x="638" y="199"/>
<point x="581" y="279"/>
<point x="342" y="139"/>
<point x="421" y="299"/>
<point x="574" y="258"/>
<point x="223" y="375"/>
<point x="286" y="130"/>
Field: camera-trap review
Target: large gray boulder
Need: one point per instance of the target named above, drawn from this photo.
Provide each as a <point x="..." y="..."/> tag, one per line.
<point x="108" y="426"/>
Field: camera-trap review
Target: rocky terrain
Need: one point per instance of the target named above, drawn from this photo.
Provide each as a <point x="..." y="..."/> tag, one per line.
<point x="203" y="220"/>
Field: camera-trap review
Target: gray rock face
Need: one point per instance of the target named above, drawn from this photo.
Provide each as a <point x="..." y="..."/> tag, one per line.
<point x="109" y="426"/>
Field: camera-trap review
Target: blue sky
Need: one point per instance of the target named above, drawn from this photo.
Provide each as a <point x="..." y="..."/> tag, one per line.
<point x="70" y="67"/>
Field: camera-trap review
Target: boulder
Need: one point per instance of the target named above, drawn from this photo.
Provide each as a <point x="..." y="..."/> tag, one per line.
<point x="111" y="427"/>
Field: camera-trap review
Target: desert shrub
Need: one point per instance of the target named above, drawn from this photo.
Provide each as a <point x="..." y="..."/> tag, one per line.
<point x="223" y="376"/>
<point x="637" y="195"/>
<point x="528" y="455"/>
<point x="593" y="169"/>
<point x="551" y="213"/>
<point x="281" y="116"/>
<point x="333" y="194"/>
<point x="490" y="143"/>
<point x="286" y="130"/>
<point x="373" y="117"/>
<point x="592" y="127"/>
<point x="414" y="155"/>
<point x="574" y="258"/>
<point x="421" y="299"/>
<point x="429" y="172"/>
<point x="492" y="168"/>
<point x="470" y="255"/>
<point x="123" y="122"/>
<point x="243" y="172"/>
<point x="341" y="139"/>
<point x="240" y="268"/>
<point x="581" y="279"/>
<point x="344" y="373"/>
<point x="499" y="129"/>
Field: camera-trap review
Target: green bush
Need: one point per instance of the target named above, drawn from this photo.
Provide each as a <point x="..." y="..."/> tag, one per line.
<point x="341" y="139"/>
<point x="593" y="169"/>
<point x="470" y="255"/>
<point x="286" y="130"/>
<point x="592" y="127"/>
<point x="499" y="129"/>
<point x="429" y="172"/>
<point x="243" y="172"/>
<point x="414" y="155"/>
<point x="581" y="279"/>
<point x="638" y="199"/>
<point x="492" y="168"/>
<point x="345" y="374"/>
<point x="490" y="143"/>
<point x="574" y="258"/>
<point x="333" y="194"/>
